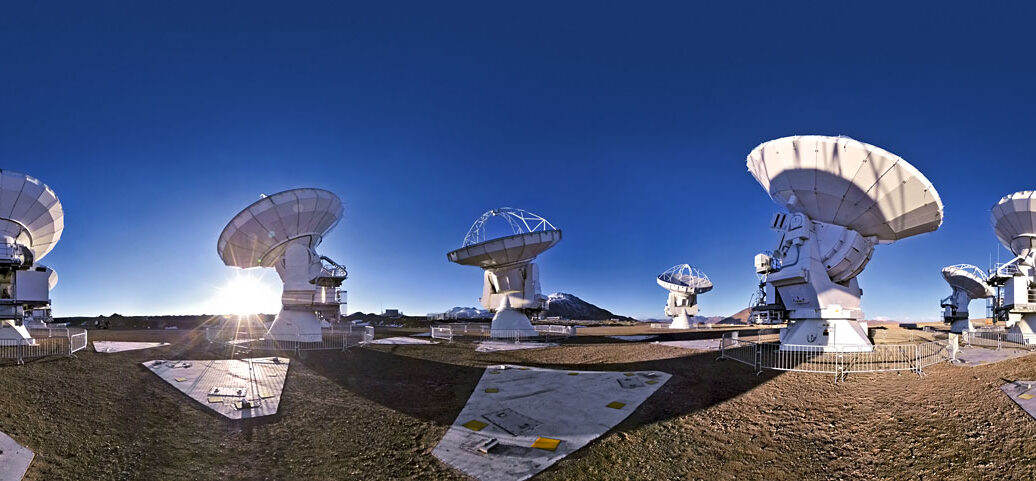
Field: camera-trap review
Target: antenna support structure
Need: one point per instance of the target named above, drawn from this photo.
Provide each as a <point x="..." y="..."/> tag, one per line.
<point x="283" y="231"/>
<point x="842" y="197"/>
<point x="510" y="279"/>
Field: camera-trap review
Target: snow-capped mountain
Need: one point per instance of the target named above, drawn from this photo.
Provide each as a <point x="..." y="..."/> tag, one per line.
<point x="568" y="306"/>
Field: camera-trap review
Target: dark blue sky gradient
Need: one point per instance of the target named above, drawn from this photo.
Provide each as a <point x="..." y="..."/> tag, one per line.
<point x="624" y="123"/>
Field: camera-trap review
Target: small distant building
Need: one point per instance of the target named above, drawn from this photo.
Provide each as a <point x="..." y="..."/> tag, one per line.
<point x="393" y="313"/>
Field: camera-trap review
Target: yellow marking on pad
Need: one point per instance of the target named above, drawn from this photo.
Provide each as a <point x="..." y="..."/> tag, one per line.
<point x="475" y="425"/>
<point x="181" y="379"/>
<point x="628" y="374"/>
<point x="215" y="399"/>
<point x="265" y="395"/>
<point x="651" y="381"/>
<point x="1025" y="396"/>
<point x="523" y="369"/>
<point x="573" y="374"/>
<point x="616" y="405"/>
<point x="494" y="372"/>
<point x="547" y="444"/>
<point x="492" y="390"/>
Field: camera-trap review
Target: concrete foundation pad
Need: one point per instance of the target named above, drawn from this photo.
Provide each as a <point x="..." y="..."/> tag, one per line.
<point x="1023" y="393"/>
<point x="402" y="340"/>
<point x="632" y="338"/>
<point x="520" y="421"/>
<point x="978" y="356"/>
<point x="235" y="388"/>
<point x="14" y="459"/>
<point x="699" y="344"/>
<point x="121" y="346"/>
<point x="495" y="346"/>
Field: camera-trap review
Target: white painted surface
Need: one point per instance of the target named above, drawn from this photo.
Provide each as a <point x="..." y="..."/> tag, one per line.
<point x="121" y="346"/>
<point x="1015" y="390"/>
<point x="14" y="459"/>
<point x="495" y="346"/>
<point x="632" y="338"/>
<point x="552" y="404"/>
<point x="841" y="181"/>
<point x="263" y="378"/>
<point x="1014" y="220"/>
<point x="30" y="213"/>
<point x="401" y="340"/>
<point x="700" y="344"/>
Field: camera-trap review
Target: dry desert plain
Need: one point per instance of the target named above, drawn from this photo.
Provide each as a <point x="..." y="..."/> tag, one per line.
<point x="376" y="413"/>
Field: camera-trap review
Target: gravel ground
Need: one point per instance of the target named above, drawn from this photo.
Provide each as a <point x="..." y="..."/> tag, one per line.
<point x="376" y="413"/>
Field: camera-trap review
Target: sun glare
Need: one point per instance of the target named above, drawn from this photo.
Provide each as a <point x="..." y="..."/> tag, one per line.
<point x="246" y="294"/>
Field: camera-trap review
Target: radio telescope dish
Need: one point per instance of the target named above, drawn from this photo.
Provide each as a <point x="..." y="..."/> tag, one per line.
<point x="511" y="285"/>
<point x="844" y="196"/>
<point x="684" y="282"/>
<point x="968" y="282"/>
<point x="1014" y="220"/>
<point x="282" y="231"/>
<point x="31" y="223"/>
<point x="841" y="181"/>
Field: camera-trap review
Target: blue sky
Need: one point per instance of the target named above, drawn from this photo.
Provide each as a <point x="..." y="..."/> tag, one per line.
<point x="626" y="124"/>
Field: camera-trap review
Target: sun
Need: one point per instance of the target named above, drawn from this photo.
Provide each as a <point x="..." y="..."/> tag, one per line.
<point x="246" y="293"/>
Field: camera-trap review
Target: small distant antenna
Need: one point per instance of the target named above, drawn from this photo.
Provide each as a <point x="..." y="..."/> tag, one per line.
<point x="684" y="282"/>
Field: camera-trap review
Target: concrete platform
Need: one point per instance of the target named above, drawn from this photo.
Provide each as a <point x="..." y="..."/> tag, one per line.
<point x="228" y="386"/>
<point x="699" y="344"/>
<point x="14" y="459"/>
<point x="632" y="338"/>
<point x="1023" y="393"/>
<point x="520" y="420"/>
<point x="496" y="346"/>
<point x="979" y="356"/>
<point x="402" y="340"/>
<point x="121" y="346"/>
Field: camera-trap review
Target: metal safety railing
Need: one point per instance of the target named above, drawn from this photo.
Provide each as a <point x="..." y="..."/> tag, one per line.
<point x="450" y="332"/>
<point x="837" y="360"/>
<point x="996" y="338"/>
<point x="339" y="338"/>
<point x="43" y="343"/>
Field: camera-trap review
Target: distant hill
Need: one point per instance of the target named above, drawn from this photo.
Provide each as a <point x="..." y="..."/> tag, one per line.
<point x="568" y="306"/>
<point x="740" y="317"/>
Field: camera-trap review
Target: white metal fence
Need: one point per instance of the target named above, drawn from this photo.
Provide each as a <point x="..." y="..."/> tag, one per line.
<point x="44" y="343"/>
<point x="340" y="337"/>
<point x="837" y="360"/>
<point x="995" y="338"/>
<point x="450" y="332"/>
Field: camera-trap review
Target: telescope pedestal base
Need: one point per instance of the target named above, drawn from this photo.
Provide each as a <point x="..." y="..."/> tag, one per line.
<point x="510" y="323"/>
<point x="1023" y="331"/>
<point x="826" y="335"/>
<point x="10" y="332"/>
<point x="680" y="322"/>
<point x="962" y="325"/>
<point x="297" y="326"/>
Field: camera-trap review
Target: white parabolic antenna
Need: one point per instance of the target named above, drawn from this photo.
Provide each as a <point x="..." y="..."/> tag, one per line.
<point x="282" y="231"/>
<point x="511" y="285"/>
<point x="968" y="282"/>
<point x="684" y="282"/>
<point x="1014" y="220"/>
<point x="31" y="223"/>
<point x="844" y="196"/>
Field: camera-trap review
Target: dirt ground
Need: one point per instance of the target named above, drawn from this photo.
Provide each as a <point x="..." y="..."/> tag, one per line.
<point x="377" y="412"/>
